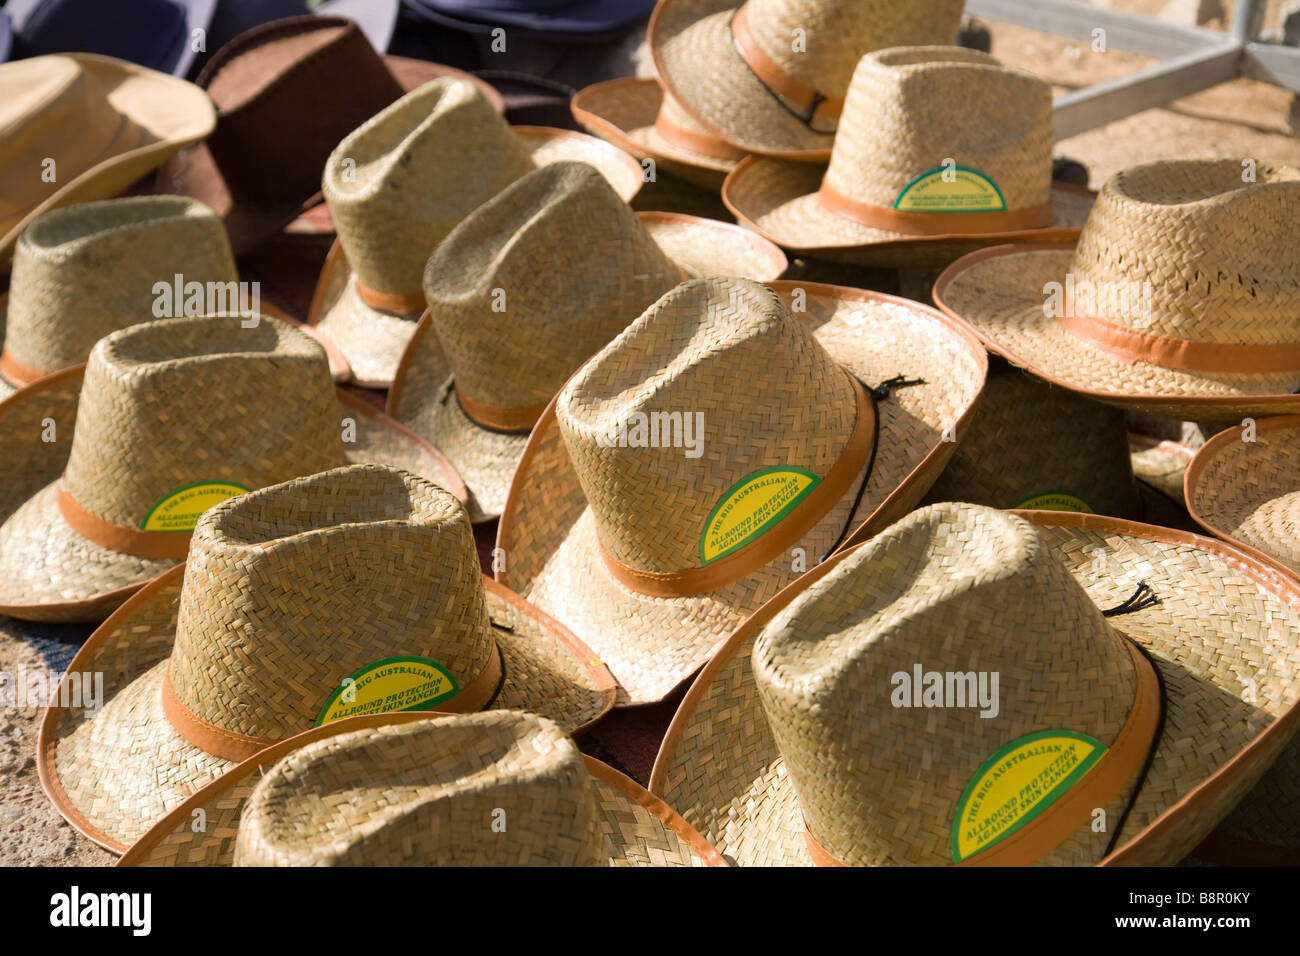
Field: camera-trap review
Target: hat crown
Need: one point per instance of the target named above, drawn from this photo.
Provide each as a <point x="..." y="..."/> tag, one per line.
<point x="714" y="382"/>
<point x="953" y="589"/>
<point x="502" y="788"/>
<point x="820" y="41"/>
<point x="399" y="183"/>
<point x="575" y="266"/>
<point x="1187" y="250"/>
<point x="168" y="404"/>
<point x="89" y="269"/>
<point x="47" y="100"/>
<point x="918" y="110"/>
<point x="292" y="589"/>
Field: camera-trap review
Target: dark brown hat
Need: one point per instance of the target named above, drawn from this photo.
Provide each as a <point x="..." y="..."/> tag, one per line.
<point x="280" y="113"/>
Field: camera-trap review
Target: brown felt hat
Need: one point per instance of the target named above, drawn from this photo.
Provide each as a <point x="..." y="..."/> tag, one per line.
<point x="396" y="187"/>
<point x="79" y="127"/>
<point x="416" y="790"/>
<point x="770" y="76"/>
<point x="111" y="462"/>
<point x="354" y="591"/>
<point x="992" y="688"/>
<point x="286" y="92"/>
<point x="940" y="150"/>
<point x="637" y="116"/>
<point x="83" y="271"/>
<point x="527" y="288"/>
<point x="1181" y="297"/>
<point x="780" y="424"/>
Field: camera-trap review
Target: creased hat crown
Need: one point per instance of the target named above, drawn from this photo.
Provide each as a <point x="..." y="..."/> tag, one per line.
<point x="171" y="403"/>
<point x="951" y="589"/>
<point x="726" y="354"/>
<point x="403" y="179"/>
<point x="89" y="269"/>
<point x="292" y="589"/>
<point x="575" y="266"/>
<point x="1221" y="255"/>
<point x="503" y="788"/>
<point x="910" y="111"/>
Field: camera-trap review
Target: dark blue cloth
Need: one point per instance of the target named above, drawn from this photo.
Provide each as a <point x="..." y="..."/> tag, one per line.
<point x="558" y="20"/>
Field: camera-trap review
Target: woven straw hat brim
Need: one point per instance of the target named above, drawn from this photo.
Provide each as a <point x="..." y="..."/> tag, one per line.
<point x="48" y="572"/>
<point x="697" y="62"/>
<point x="487" y="459"/>
<point x="170" y="111"/>
<point x="998" y="292"/>
<point x="1221" y="616"/>
<point x="639" y="828"/>
<point x="114" y="774"/>
<point x="779" y="200"/>
<point x="623" y="112"/>
<point x="373" y="341"/>
<point x="1161" y="464"/>
<point x="1248" y="492"/>
<point x="653" y="644"/>
<point x="193" y="171"/>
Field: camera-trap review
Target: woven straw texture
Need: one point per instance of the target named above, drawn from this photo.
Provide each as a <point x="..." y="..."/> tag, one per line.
<point x="575" y="265"/>
<point x="698" y="63"/>
<point x="163" y="405"/>
<point x="770" y="394"/>
<point x="908" y="111"/>
<point x="109" y="122"/>
<point x="84" y="271"/>
<point x="401" y="182"/>
<point x="623" y="111"/>
<point x="795" y="723"/>
<point x="287" y="591"/>
<point x="416" y="790"/>
<point x="1160" y="464"/>
<point x="1223" y="262"/>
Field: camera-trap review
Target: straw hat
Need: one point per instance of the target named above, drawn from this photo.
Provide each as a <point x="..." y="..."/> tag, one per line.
<point x="575" y="265"/>
<point x="92" y="124"/>
<point x="653" y="544"/>
<point x="809" y="738"/>
<point x="1195" y="274"/>
<point x="397" y="186"/>
<point x="770" y="76"/>
<point x="350" y="592"/>
<point x="420" y="790"/>
<point x="1040" y="447"/>
<point x="86" y="270"/>
<point x="940" y="150"/>
<point x="280" y="111"/>
<point x="1160" y="463"/>
<point x="638" y="117"/>
<point x="173" y="417"/>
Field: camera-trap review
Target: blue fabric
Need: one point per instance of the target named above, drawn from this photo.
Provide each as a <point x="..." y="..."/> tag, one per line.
<point x="152" y="33"/>
<point x="541" y="17"/>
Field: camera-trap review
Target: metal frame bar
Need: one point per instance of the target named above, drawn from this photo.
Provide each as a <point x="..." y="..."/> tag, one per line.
<point x="1191" y="58"/>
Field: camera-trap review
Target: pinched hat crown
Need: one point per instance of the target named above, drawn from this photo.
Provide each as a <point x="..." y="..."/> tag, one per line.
<point x="403" y="179"/>
<point x="170" y="405"/>
<point x="715" y="387"/>
<point x="575" y="266"/>
<point x="914" y="114"/>
<point x="884" y="763"/>
<point x="504" y="788"/>
<point x="365" y="574"/>
<point x="86" y="270"/>
<point x="1198" y="253"/>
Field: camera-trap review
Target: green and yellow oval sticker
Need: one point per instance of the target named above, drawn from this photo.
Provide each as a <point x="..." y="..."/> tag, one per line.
<point x="1056" y="501"/>
<point x="951" y="189"/>
<point x="180" y="510"/>
<point x="1016" y="784"/>
<point x="752" y="506"/>
<point x="394" y="683"/>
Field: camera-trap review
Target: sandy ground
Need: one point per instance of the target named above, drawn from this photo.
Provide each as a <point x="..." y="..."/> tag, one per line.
<point x="1239" y="119"/>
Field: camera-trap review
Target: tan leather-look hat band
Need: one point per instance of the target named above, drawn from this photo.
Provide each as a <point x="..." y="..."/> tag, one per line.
<point x="762" y="552"/>
<point x="695" y="142"/>
<point x="120" y="538"/>
<point x="814" y="104"/>
<point x="412" y="304"/>
<point x="18" y="374"/>
<point x="933" y="223"/>
<point x="498" y="418"/>
<point x="207" y="736"/>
